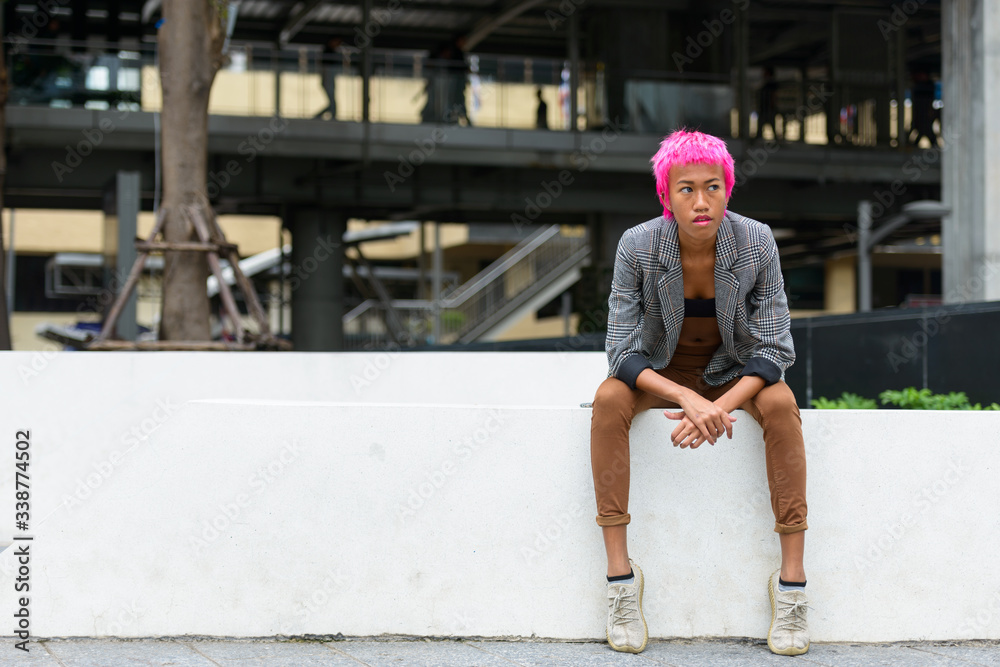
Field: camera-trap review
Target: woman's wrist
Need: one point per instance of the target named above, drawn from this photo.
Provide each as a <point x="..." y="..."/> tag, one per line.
<point x="653" y="383"/>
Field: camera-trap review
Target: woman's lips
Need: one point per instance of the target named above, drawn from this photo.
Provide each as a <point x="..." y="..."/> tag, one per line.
<point x="703" y="220"/>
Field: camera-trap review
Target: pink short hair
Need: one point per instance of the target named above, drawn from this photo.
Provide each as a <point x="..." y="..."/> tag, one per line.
<point x="682" y="148"/>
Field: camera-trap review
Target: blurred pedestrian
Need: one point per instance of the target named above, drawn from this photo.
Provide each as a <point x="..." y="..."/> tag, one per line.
<point x="767" y="107"/>
<point x="542" y="113"/>
<point x="328" y="68"/>
<point x="922" y="110"/>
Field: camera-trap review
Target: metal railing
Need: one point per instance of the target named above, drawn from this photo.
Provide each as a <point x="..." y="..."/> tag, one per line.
<point x="479" y="305"/>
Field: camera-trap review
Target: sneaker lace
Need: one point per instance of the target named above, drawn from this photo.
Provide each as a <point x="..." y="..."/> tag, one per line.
<point x="625" y="607"/>
<point x="792" y="616"/>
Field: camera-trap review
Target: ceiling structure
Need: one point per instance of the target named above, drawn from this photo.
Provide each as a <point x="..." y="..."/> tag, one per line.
<point x="782" y="32"/>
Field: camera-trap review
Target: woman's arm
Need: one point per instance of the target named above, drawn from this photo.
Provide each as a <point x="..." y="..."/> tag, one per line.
<point x="769" y="320"/>
<point x="740" y="393"/>
<point x="700" y="418"/>
<point x="623" y="342"/>
<point x="690" y="434"/>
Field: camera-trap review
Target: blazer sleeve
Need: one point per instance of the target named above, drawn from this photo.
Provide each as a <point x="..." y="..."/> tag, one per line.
<point x="625" y="316"/>
<point x="769" y="320"/>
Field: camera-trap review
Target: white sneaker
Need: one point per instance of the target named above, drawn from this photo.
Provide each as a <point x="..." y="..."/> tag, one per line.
<point x="789" y="631"/>
<point x="626" y="628"/>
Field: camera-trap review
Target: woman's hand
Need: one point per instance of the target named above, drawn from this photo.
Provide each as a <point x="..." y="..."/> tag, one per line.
<point x="701" y="421"/>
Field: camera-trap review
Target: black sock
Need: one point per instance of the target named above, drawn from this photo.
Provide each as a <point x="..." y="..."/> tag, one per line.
<point x="622" y="577"/>
<point x="790" y="584"/>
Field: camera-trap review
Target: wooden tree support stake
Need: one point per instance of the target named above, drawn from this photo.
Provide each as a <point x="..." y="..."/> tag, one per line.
<point x="212" y="242"/>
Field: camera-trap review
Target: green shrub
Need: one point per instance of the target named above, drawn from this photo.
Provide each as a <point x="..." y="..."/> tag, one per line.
<point x="910" y="398"/>
<point x="847" y="401"/>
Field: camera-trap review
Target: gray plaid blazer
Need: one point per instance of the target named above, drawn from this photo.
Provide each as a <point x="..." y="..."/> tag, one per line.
<point x="646" y="306"/>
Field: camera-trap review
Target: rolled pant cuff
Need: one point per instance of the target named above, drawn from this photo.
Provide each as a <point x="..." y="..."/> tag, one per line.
<point x="620" y="520"/>
<point x="785" y="530"/>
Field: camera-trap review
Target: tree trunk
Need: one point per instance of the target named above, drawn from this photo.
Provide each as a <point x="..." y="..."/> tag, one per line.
<point x="190" y="46"/>
<point x="4" y="315"/>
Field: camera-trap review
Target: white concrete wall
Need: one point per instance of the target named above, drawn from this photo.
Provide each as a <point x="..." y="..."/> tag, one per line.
<point x="257" y="494"/>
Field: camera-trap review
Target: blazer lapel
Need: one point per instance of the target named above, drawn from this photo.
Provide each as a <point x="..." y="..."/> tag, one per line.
<point x="670" y="286"/>
<point x="726" y="284"/>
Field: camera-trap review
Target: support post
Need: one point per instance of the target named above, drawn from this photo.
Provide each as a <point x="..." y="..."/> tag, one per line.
<point x="366" y="63"/>
<point x="317" y="279"/>
<point x="126" y="217"/>
<point x="864" y="256"/>
<point x="438" y="269"/>
<point x="574" y="70"/>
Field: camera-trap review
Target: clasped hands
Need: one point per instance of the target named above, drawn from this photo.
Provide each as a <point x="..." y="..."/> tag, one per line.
<point x="701" y="421"/>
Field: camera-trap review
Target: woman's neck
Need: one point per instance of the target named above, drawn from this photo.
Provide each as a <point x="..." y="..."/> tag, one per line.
<point x="697" y="251"/>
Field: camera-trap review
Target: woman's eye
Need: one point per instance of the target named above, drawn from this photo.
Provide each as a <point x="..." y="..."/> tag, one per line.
<point x="685" y="189"/>
<point x="713" y="187"/>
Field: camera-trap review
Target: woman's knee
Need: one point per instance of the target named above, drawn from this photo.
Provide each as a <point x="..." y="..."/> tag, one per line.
<point x="776" y="400"/>
<point x="612" y="393"/>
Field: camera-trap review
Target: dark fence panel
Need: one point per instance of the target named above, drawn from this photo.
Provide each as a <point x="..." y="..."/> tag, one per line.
<point x="945" y="348"/>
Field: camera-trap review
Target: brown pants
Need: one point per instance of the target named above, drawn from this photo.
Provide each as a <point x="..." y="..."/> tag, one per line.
<point x="774" y="408"/>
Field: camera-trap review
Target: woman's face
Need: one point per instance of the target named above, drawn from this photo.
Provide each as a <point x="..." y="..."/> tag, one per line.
<point x="698" y="199"/>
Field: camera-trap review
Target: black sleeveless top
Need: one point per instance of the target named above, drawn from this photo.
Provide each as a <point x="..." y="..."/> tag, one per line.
<point x="699" y="307"/>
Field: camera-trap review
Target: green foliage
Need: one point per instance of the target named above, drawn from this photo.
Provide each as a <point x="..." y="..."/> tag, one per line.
<point x="910" y="398"/>
<point x="847" y="401"/>
<point x="452" y="320"/>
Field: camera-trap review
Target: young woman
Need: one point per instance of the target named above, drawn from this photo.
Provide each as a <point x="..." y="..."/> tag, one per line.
<point x="698" y="320"/>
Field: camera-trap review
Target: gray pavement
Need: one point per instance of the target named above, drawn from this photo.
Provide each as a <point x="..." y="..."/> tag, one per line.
<point x="185" y="651"/>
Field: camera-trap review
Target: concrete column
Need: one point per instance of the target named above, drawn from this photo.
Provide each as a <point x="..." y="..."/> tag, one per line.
<point x="971" y="159"/>
<point x="121" y="215"/>
<point x="317" y="279"/>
